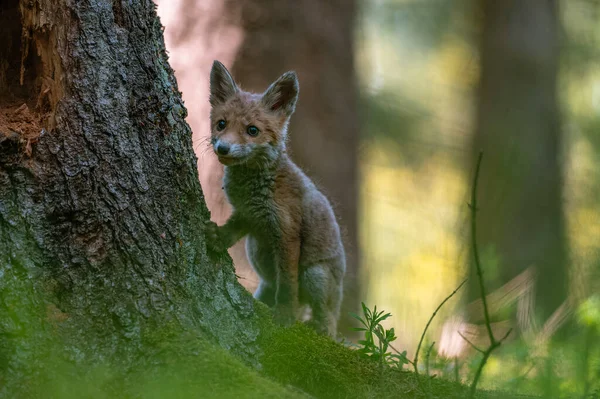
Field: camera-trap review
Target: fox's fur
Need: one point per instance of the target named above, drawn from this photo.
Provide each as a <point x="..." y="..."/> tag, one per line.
<point x="293" y="240"/>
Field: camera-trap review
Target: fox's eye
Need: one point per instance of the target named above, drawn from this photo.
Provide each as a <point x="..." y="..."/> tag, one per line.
<point x="221" y="125"/>
<point x="252" y="130"/>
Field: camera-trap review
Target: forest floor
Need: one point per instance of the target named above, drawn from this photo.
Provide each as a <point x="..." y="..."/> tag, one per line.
<point x="324" y="368"/>
<point x="295" y="363"/>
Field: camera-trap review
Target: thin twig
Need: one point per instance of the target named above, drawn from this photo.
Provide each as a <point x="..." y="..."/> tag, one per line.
<point x="415" y="362"/>
<point x="427" y="369"/>
<point x="484" y="360"/>
<point x="427" y="358"/>
<point x="493" y="342"/>
<point x="398" y="352"/>
<point x="473" y="207"/>
<point x="505" y="336"/>
<point x="470" y="343"/>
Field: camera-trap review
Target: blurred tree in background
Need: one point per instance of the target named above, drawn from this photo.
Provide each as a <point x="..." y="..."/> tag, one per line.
<point x="440" y="80"/>
<point x="520" y="223"/>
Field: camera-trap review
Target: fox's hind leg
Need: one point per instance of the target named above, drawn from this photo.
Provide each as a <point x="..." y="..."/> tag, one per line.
<point x="265" y="293"/>
<point x="323" y="296"/>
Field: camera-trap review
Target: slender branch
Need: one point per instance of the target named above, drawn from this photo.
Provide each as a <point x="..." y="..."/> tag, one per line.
<point x="427" y="369"/>
<point x="484" y="360"/>
<point x="473" y="387"/>
<point x="398" y="352"/>
<point x="505" y="336"/>
<point x="415" y="361"/>
<point x="427" y="358"/>
<point x="493" y="342"/>
<point x="470" y="343"/>
<point x="473" y="207"/>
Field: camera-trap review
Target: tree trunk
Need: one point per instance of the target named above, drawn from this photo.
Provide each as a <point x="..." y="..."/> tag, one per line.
<point x="101" y="211"/>
<point x="315" y="39"/>
<point x="520" y="221"/>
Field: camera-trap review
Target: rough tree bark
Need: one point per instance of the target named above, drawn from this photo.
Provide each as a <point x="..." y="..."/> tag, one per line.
<point x="101" y="211"/>
<point x="315" y="39"/>
<point x="519" y="131"/>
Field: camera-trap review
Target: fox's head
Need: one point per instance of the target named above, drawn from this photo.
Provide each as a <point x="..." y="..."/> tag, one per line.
<point x="249" y="128"/>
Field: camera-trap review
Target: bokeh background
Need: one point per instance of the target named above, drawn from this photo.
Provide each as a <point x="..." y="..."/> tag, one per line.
<point x="397" y="97"/>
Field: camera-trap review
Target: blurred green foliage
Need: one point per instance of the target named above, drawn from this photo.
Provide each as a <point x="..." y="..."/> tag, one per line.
<point x="418" y="67"/>
<point x="38" y="361"/>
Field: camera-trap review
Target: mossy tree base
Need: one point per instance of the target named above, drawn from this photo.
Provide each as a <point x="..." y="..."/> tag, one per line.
<point x="101" y="212"/>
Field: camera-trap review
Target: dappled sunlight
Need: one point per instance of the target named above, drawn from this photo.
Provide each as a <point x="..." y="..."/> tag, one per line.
<point x="416" y="170"/>
<point x="414" y="191"/>
<point x="410" y="239"/>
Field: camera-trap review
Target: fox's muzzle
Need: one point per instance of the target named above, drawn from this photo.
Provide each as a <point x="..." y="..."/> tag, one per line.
<point x="222" y="148"/>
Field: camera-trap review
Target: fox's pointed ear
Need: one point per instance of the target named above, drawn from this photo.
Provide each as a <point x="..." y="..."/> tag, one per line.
<point x="282" y="95"/>
<point x="222" y="85"/>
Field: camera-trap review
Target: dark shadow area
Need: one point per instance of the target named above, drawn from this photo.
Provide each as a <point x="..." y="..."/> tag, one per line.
<point x="20" y="67"/>
<point x="23" y="102"/>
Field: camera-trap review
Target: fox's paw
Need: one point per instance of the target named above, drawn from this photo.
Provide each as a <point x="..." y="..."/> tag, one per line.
<point x="319" y="328"/>
<point x="283" y="315"/>
<point x="213" y="240"/>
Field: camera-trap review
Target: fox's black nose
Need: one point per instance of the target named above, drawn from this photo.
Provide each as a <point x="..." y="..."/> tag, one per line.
<point x="222" y="148"/>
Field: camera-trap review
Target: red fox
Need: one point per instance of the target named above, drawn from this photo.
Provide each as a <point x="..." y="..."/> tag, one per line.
<point x="293" y="239"/>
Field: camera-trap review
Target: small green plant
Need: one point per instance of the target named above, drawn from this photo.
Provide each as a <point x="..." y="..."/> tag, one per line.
<point x="377" y="349"/>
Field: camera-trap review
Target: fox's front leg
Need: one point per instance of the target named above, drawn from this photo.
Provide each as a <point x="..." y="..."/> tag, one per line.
<point x="286" y="293"/>
<point x="221" y="238"/>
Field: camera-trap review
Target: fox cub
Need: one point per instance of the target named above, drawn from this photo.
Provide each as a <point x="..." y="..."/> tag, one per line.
<point x="293" y="240"/>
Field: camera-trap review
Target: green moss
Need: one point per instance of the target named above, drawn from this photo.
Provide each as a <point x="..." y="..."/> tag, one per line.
<point x="42" y="357"/>
<point x="44" y="354"/>
<point x="322" y="367"/>
<point x="326" y="369"/>
<point x="173" y="365"/>
<point x="190" y="367"/>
